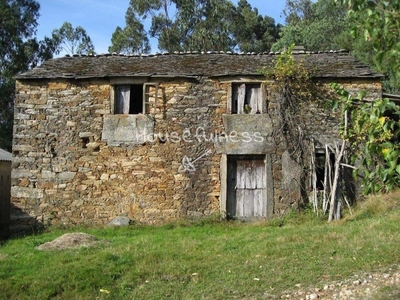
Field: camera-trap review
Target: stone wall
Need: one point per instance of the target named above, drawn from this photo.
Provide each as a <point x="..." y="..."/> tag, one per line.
<point x="64" y="172"/>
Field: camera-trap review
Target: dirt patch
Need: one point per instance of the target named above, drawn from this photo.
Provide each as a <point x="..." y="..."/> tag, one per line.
<point x="70" y="241"/>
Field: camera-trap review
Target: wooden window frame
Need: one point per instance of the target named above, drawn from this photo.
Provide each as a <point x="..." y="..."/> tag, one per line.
<point x="145" y="97"/>
<point x="233" y="108"/>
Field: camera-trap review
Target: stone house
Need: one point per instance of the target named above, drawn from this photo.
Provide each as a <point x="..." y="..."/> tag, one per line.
<point x="5" y="187"/>
<point x="164" y="136"/>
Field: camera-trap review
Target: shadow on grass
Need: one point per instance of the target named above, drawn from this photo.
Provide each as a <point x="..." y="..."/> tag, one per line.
<point x="21" y="224"/>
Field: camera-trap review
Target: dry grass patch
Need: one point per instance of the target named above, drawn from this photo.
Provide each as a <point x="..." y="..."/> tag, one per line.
<point x="70" y="241"/>
<point x="375" y="205"/>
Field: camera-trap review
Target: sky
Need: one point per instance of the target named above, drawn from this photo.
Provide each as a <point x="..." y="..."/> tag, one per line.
<point x="100" y="17"/>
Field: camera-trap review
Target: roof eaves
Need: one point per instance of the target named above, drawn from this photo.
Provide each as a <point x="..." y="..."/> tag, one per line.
<point x="99" y="72"/>
<point x="5" y="155"/>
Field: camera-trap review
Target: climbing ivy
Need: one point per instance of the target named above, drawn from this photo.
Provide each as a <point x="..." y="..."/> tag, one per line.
<point x="291" y="77"/>
<point x="291" y="83"/>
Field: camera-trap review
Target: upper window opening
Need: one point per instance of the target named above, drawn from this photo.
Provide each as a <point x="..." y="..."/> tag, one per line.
<point x="136" y="98"/>
<point x="129" y="99"/>
<point x="246" y="98"/>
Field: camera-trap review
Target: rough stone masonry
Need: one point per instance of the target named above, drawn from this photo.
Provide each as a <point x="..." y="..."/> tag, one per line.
<point x="76" y="161"/>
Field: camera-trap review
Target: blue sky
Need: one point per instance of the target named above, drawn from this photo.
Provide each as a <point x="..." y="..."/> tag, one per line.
<point x="100" y="17"/>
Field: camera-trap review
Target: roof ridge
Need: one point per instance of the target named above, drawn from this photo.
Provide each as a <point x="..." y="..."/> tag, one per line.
<point x="295" y="52"/>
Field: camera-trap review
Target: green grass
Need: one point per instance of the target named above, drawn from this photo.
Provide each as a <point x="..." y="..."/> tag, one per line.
<point x="204" y="260"/>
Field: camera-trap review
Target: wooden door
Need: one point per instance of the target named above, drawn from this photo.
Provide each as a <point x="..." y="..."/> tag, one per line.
<point x="247" y="189"/>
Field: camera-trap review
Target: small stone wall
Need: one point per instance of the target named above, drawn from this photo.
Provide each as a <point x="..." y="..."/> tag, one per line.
<point x="65" y="172"/>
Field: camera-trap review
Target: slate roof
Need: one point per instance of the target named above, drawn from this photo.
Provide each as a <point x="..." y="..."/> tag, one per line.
<point x="331" y="64"/>
<point x="5" y="156"/>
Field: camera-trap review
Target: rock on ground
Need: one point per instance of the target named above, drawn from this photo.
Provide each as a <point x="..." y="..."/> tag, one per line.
<point x="120" y="221"/>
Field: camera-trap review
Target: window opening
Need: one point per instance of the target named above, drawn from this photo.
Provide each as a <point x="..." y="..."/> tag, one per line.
<point x="322" y="168"/>
<point x="135" y="99"/>
<point x="246" y="98"/>
<point x="129" y="99"/>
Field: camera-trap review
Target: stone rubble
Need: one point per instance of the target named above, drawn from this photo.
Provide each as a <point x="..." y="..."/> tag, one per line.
<point x="359" y="287"/>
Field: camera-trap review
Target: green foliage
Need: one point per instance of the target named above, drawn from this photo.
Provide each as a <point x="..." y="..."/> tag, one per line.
<point x="251" y="31"/>
<point x="19" y="51"/>
<point x="314" y="25"/>
<point x="377" y="21"/>
<point x="195" y="26"/>
<point x="72" y="40"/>
<point x="373" y="135"/>
<point x="291" y="78"/>
<point x="180" y="25"/>
<point x="290" y="81"/>
<point x="368" y="29"/>
<point x="131" y="39"/>
<point x="7" y="87"/>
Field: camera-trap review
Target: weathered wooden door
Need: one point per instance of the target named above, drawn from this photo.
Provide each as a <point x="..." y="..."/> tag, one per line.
<point x="247" y="187"/>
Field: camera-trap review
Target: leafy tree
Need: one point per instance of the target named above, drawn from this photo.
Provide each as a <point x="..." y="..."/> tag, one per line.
<point x="298" y="10"/>
<point x="200" y="25"/>
<point x="72" y="40"/>
<point x="132" y="39"/>
<point x="188" y="25"/>
<point x="208" y="28"/>
<point x="377" y="21"/>
<point x="128" y="41"/>
<point x="19" y="51"/>
<point x="374" y="131"/>
<point x="373" y="136"/>
<point x="315" y="25"/>
<point x="253" y="32"/>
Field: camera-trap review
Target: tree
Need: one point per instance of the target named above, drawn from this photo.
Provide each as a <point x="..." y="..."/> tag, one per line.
<point x="297" y="10"/>
<point x="72" y="40"/>
<point x="374" y="132"/>
<point x="209" y="27"/>
<point x="253" y="32"/>
<point x="200" y="25"/>
<point x="373" y="136"/>
<point x="315" y="25"/>
<point x="377" y="21"/>
<point x="132" y="39"/>
<point x="185" y="25"/>
<point x="19" y="51"/>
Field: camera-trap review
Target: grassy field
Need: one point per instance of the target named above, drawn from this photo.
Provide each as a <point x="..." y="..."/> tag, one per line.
<point x="205" y="259"/>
